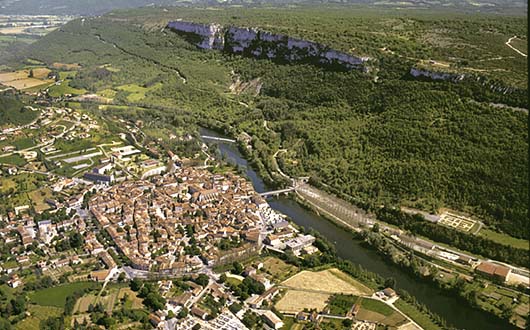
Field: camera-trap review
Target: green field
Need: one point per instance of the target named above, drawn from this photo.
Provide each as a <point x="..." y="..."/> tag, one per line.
<point x="56" y="296"/>
<point x="423" y="320"/>
<point x="67" y="74"/>
<point x="13" y="160"/>
<point x="23" y="143"/>
<point x="137" y="93"/>
<point x="376" y="306"/>
<point x="64" y="88"/>
<point x="504" y="239"/>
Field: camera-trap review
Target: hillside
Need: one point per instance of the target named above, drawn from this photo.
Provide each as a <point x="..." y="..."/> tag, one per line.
<point x="382" y="137"/>
<point x="12" y="111"/>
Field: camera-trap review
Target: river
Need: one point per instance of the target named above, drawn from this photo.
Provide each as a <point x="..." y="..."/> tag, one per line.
<point x="455" y="312"/>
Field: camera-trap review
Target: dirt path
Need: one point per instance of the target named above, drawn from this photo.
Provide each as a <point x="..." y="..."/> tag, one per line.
<point x="508" y="43"/>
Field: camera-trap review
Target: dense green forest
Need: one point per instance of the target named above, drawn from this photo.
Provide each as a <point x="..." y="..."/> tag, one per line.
<point x="12" y="111"/>
<point x="382" y="138"/>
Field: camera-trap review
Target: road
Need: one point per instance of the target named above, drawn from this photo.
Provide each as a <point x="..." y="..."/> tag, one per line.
<point x="508" y="43"/>
<point x="354" y="218"/>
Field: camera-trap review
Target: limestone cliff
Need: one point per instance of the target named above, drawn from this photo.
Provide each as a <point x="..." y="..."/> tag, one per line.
<point x="435" y="75"/>
<point x="263" y="44"/>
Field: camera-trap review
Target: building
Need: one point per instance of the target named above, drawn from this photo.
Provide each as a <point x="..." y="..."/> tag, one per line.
<point x="99" y="178"/>
<point x="298" y="243"/>
<point x="199" y="312"/>
<point x="493" y="271"/>
<point x="272" y="319"/>
<point x="14" y="281"/>
<point x="102" y="169"/>
<point x="389" y="293"/>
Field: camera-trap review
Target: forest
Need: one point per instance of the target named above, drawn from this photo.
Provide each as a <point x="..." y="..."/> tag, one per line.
<point x="378" y="138"/>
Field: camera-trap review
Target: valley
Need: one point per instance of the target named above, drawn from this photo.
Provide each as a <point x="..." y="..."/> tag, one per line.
<point x="400" y="138"/>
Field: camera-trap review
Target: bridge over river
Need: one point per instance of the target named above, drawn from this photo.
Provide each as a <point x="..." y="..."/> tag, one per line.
<point x="215" y="138"/>
<point x="277" y="192"/>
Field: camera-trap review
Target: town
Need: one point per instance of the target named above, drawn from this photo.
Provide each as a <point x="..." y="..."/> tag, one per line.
<point x="197" y="247"/>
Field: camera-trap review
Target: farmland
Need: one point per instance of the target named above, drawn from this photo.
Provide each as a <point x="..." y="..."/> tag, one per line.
<point x="314" y="289"/>
<point x="26" y="79"/>
<point x="64" y="88"/>
<point x="329" y="281"/>
<point x="377" y="311"/>
<point x="295" y="301"/>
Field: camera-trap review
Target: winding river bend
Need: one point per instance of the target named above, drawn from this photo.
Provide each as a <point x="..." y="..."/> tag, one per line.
<point x="455" y="312"/>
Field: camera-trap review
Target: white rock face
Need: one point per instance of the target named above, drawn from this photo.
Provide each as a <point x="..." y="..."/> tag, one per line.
<point x="212" y="34"/>
<point x="415" y="72"/>
<point x="240" y="38"/>
<point x="265" y="44"/>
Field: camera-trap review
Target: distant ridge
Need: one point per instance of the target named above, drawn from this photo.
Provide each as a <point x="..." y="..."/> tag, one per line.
<point x="98" y="7"/>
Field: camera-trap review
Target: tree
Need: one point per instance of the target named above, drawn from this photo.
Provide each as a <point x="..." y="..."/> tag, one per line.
<point x="5" y="324"/>
<point x="182" y="313"/>
<point x="18" y="304"/>
<point x="347" y="323"/>
<point x="136" y="284"/>
<point x="390" y="283"/>
<point x="238" y="268"/>
<point x="202" y="280"/>
<point x="121" y="277"/>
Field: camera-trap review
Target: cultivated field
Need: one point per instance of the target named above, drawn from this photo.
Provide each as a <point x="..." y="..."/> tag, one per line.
<point x="21" y="80"/>
<point x="108" y="301"/>
<point x="377" y="311"/>
<point x="328" y="281"/>
<point x="295" y="301"/>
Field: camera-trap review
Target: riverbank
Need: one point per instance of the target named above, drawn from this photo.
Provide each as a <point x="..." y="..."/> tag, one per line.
<point x="450" y="308"/>
<point x="451" y="282"/>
